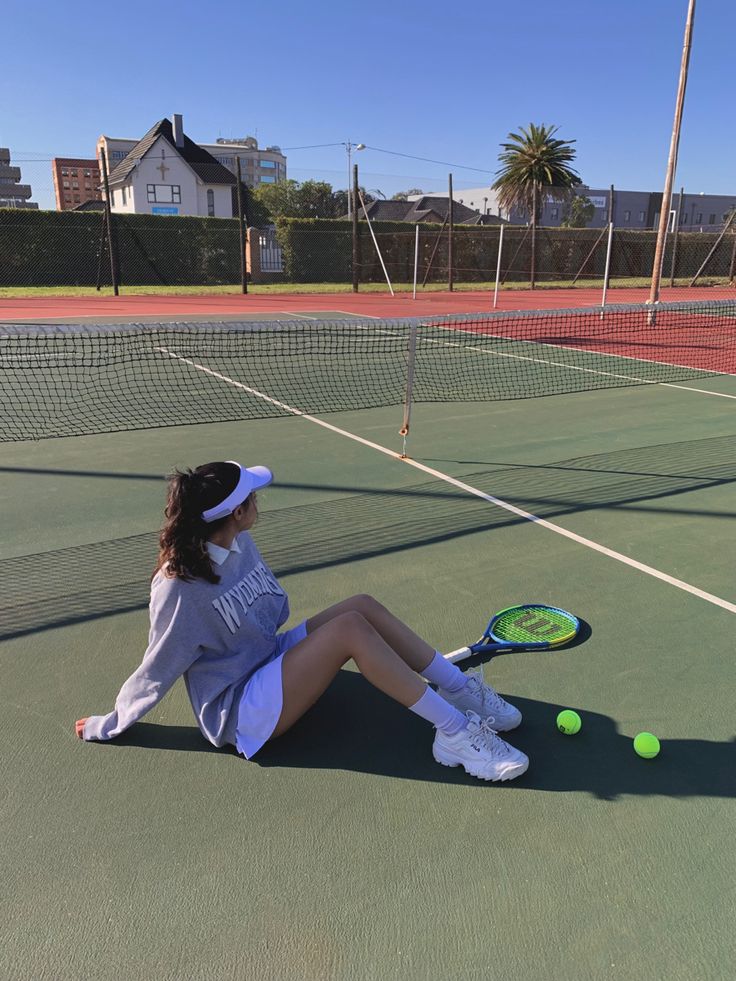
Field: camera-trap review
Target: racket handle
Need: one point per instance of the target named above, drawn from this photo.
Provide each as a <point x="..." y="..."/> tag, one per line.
<point x="458" y="655"/>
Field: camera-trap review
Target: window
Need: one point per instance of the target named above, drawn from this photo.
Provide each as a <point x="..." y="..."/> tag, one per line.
<point x="118" y="154"/>
<point x="74" y="173"/>
<point x="65" y="173"/>
<point x="124" y="195"/>
<point x="699" y="219"/>
<point x="211" y="203"/>
<point x="627" y="216"/>
<point x="164" y="193"/>
<point x="712" y="220"/>
<point x="554" y="213"/>
<point x="66" y="183"/>
<point x="267" y="180"/>
<point x="75" y="185"/>
<point x="266" y="163"/>
<point x="642" y="215"/>
<point x="112" y="197"/>
<point x="87" y="173"/>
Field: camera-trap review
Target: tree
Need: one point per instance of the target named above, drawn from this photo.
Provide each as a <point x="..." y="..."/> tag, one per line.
<point x="404" y="195"/>
<point x="579" y="213"/>
<point x="533" y="165"/>
<point x="310" y="199"/>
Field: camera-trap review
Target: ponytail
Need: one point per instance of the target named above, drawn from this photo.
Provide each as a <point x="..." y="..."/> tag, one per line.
<point x="183" y="539"/>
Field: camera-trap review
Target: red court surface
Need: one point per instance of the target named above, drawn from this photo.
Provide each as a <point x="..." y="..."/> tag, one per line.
<point x="230" y="306"/>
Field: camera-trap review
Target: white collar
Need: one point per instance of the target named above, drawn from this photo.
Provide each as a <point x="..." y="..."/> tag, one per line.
<point x="218" y="554"/>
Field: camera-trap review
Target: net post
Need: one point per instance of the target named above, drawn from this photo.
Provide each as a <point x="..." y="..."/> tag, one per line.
<point x="498" y="268"/>
<point x="356" y="240"/>
<point x="241" y="231"/>
<point x="416" y="260"/>
<point x="608" y="267"/>
<point x="108" y="219"/>
<point x="410" y="363"/>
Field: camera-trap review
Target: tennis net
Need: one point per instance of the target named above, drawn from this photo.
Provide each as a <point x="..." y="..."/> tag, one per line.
<point x="67" y="380"/>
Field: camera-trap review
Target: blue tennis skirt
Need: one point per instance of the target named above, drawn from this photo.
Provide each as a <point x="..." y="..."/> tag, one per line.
<point x="263" y="697"/>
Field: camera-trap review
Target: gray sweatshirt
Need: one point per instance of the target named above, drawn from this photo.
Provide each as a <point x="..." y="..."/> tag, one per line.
<point x="214" y="634"/>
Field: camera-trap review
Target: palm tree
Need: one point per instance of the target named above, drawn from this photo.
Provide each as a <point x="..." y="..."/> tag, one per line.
<point x="534" y="162"/>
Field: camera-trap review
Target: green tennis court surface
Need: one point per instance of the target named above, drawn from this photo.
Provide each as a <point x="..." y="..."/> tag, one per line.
<point x="343" y="851"/>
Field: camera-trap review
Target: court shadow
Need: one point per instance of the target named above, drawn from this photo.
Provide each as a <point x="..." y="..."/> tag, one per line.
<point x="356" y="728"/>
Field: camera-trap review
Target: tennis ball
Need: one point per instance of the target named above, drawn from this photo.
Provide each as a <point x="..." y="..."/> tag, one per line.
<point x="646" y="745"/>
<point x="569" y="722"/>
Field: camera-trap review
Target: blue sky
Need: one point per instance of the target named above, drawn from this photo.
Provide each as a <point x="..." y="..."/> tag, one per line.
<point x="423" y="79"/>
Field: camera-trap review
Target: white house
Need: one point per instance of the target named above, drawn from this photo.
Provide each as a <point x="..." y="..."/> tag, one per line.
<point x="166" y="173"/>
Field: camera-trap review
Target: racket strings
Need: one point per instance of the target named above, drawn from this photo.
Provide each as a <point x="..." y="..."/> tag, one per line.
<point x="530" y="626"/>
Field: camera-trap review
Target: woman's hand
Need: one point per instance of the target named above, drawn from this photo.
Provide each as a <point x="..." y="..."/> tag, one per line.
<point x="79" y="727"/>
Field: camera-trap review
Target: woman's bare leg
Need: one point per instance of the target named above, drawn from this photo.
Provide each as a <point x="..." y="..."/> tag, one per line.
<point x="309" y="666"/>
<point x="411" y="649"/>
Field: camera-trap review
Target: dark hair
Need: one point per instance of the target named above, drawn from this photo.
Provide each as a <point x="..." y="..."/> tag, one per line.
<point x="183" y="538"/>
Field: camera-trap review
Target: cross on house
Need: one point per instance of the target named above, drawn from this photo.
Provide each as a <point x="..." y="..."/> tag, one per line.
<point x="163" y="168"/>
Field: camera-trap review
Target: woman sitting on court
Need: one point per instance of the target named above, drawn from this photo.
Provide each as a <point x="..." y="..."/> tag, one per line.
<point x="216" y="611"/>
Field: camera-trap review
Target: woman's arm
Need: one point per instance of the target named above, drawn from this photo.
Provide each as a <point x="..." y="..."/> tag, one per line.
<point x="170" y="652"/>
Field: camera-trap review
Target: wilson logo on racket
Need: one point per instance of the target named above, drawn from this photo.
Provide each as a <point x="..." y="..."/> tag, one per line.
<point x="538" y="626"/>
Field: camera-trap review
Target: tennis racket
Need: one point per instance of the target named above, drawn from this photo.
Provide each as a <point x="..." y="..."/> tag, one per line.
<point x="528" y="627"/>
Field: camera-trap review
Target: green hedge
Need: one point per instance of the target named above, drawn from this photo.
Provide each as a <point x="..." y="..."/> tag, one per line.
<point x="51" y="248"/>
<point x="62" y="248"/>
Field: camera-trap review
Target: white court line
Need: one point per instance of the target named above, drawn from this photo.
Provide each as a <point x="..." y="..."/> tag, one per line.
<point x="469" y="489"/>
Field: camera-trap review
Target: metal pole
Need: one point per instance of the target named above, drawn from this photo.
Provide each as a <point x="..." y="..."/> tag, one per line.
<point x="108" y="217"/>
<point x="375" y="242"/>
<point x="350" y="213"/>
<point x="356" y="240"/>
<point x="241" y="231"/>
<point x="498" y="268"/>
<point x="411" y="360"/>
<point x="416" y="260"/>
<point x="450" y="213"/>
<point x="664" y="213"/>
<point x="608" y="266"/>
<point x="715" y="246"/>
<point x="676" y="236"/>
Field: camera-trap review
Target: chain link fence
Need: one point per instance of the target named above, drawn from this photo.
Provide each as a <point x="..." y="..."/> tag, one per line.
<point x="56" y="250"/>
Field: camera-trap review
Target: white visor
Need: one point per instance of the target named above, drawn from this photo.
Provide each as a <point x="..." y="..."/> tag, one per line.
<point x="251" y="478"/>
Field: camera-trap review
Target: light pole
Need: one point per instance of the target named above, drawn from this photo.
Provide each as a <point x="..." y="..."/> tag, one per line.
<point x="350" y="147"/>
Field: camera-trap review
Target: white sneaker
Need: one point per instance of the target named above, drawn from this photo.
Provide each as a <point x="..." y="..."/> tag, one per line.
<point x="485" y="701"/>
<point x="480" y="751"/>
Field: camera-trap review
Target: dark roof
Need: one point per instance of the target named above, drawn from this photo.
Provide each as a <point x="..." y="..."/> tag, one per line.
<point x="428" y="208"/>
<point x="91" y="205"/>
<point x="202" y="163"/>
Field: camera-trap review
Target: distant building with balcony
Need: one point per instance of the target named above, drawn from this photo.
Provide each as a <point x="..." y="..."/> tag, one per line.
<point x="13" y="194"/>
<point x="257" y="165"/>
<point x="76" y="182"/>
<point x="631" y="209"/>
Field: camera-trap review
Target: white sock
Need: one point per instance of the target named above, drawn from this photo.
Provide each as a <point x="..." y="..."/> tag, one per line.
<point x="444" y="674"/>
<point x="440" y="713"/>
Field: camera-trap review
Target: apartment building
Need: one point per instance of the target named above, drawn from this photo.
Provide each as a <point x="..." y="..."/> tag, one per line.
<point x="13" y="194"/>
<point x="76" y="181"/>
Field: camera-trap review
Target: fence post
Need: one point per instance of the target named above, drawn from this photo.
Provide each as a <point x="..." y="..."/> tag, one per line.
<point x="241" y="231"/>
<point x="111" y="243"/>
<point x="676" y="236"/>
<point x="356" y="240"/>
<point x="451" y="218"/>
